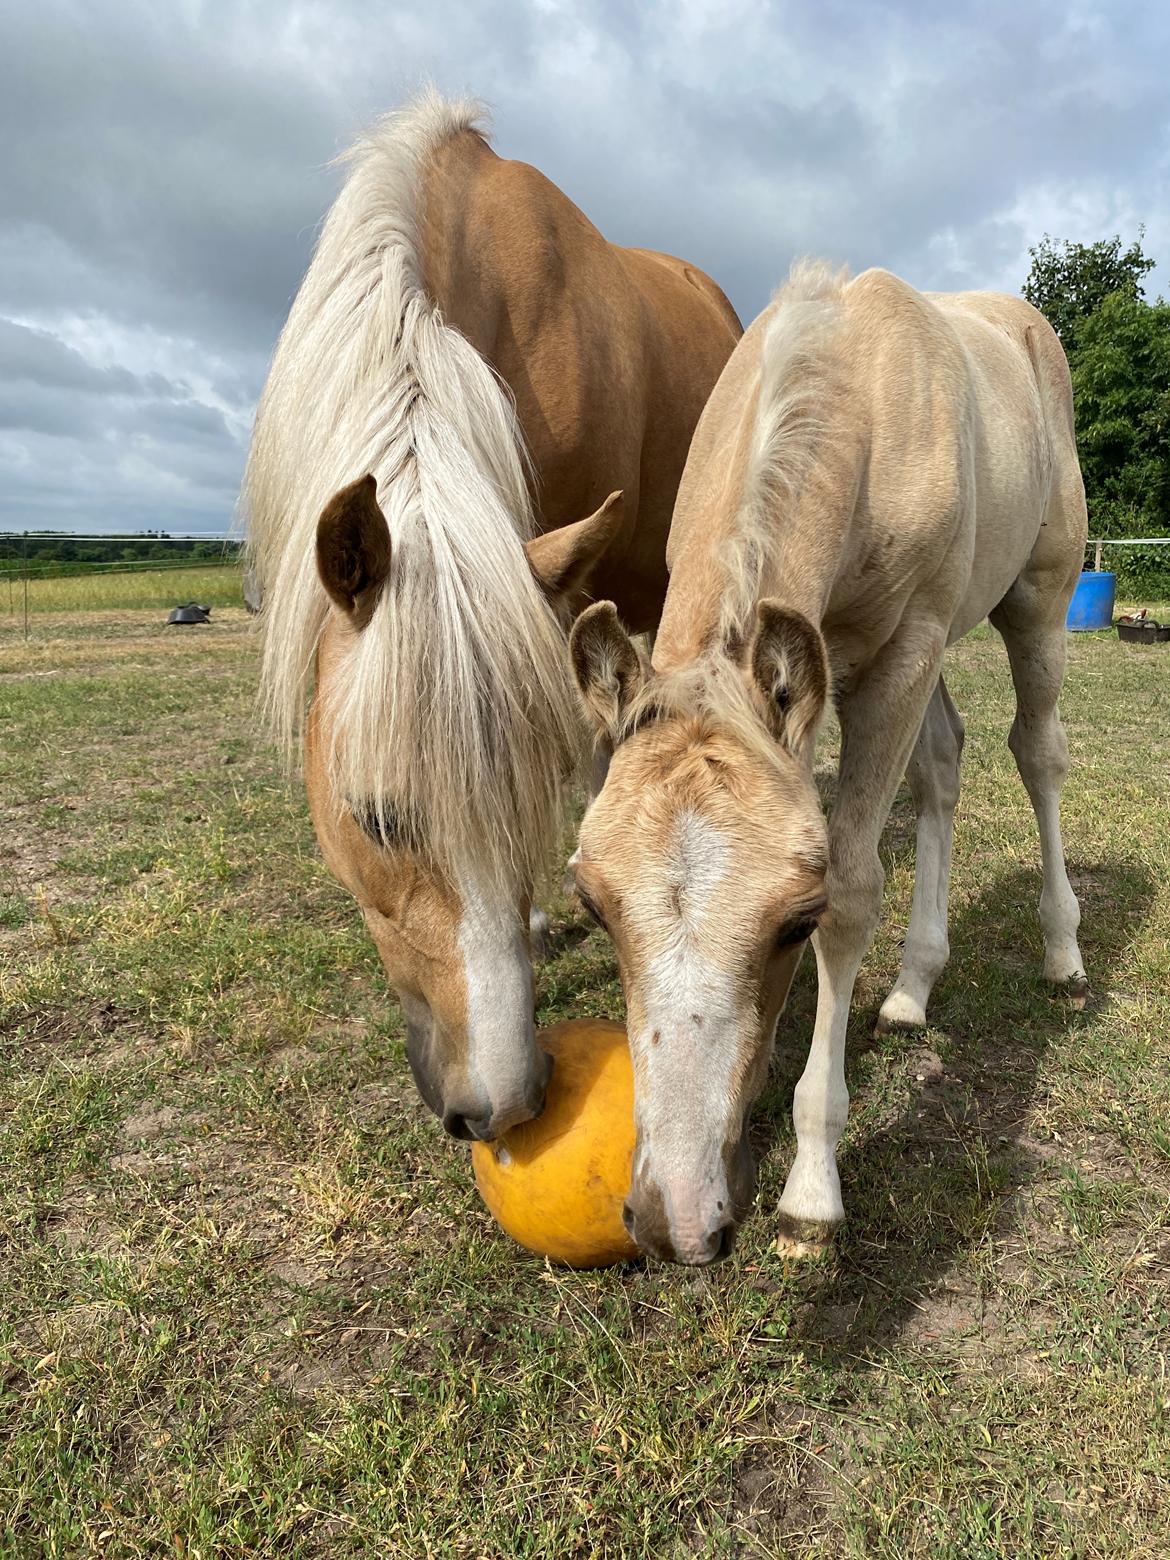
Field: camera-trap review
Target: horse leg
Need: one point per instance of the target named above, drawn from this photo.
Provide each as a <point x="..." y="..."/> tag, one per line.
<point x="880" y="718"/>
<point x="933" y="774"/>
<point x="1031" y="620"/>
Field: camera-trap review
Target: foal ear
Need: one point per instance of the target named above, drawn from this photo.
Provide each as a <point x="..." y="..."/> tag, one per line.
<point x="791" y="669"/>
<point x="353" y="549"/>
<point x="607" y="667"/>
<point x="563" y="560"/>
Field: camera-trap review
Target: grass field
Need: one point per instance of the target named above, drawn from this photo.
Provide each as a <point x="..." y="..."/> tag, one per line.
<point x="250" y="1304"/>
<point x="217" y="585"/>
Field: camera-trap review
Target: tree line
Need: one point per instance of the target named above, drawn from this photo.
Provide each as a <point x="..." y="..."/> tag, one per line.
<point x="1118" y="347"/>
<point x="50" y="552"/>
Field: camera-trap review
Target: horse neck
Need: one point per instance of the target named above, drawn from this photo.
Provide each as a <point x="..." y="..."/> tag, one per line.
<point x="796" y="559"/>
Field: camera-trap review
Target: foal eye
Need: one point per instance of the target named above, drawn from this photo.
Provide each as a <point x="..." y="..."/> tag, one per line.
<point x="795" y="932"/>
<point x="591" y="910"/>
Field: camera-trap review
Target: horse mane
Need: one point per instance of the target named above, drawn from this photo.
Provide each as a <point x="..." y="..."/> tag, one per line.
<point x="797" y="371"/>
<point x="454" y="706"/>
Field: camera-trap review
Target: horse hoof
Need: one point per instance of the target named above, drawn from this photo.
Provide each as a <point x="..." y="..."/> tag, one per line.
<point x="899" y="1014"/>
<point x="1074" y="992"/>
<point x="800" y="1240"/>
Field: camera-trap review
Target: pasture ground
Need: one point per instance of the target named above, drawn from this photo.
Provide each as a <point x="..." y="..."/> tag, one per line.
<point x="251" y="1306"/>
<point x="106" y="590"/>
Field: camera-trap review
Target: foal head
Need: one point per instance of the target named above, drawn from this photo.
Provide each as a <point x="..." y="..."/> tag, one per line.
<point x="432" y="828"/>
<point x="704" y="856"/>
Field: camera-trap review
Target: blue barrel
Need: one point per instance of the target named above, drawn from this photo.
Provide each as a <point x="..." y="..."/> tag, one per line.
<point x="1092" y="601"/>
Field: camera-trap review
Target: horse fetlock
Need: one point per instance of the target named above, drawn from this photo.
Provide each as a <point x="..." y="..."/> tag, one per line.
<point x="811" y="1200"/>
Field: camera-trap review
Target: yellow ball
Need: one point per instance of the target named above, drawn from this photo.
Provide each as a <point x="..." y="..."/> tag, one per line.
<point x="557" y="1184"/>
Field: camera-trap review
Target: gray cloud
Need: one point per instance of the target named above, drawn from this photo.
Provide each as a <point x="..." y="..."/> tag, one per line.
<point x="166" y="168"/>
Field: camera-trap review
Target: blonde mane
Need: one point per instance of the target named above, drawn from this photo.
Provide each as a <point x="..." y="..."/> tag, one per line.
<point x="454" y="706"/>
<point x="797" y="369"/>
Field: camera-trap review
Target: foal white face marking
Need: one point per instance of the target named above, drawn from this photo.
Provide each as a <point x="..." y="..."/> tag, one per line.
<point x="686" y="1038"/>
<point x="705" y="858"/>
<point x="682" y="983"/>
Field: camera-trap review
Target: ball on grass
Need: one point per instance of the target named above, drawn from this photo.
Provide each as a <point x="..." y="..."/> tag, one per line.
<point x="557" y="1184"/>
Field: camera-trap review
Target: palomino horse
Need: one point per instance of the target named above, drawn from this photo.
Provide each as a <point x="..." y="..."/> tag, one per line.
<point x="466" y="364"/>
<point x="876" y="472"/>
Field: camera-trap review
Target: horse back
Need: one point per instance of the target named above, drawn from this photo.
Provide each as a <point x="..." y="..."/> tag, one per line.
<point x="609" y="353"/>
<point x="967" y="411"/>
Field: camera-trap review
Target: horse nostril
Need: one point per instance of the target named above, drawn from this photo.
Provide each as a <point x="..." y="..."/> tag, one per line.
<point x="721" y="1241"/>
<point x="628" y="1219"/>
<point x="459" y="1126"/>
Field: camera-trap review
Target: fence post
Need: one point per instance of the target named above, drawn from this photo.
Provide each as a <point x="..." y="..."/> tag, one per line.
<point x="25" y="570"/>
<point x="1097" y="558"/>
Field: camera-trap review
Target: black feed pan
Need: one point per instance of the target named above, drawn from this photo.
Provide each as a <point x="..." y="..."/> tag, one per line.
<point x="1142" y="631"/>
<point x="190" y="614"/>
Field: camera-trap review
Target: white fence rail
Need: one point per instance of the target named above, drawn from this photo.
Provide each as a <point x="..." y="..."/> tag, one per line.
<point x="1098" y="542"/>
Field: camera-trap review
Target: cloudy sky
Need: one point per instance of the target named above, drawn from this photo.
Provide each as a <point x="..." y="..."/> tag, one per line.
<point x="165" y="166"/>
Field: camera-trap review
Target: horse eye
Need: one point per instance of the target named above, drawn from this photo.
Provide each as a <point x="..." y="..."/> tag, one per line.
<point x="383" y="825"/>
<point x="793" y="932"/>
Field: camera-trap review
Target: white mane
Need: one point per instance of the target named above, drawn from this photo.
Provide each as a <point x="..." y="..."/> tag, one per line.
<point x="796" y="371"/>
<point x="454" y="706"/>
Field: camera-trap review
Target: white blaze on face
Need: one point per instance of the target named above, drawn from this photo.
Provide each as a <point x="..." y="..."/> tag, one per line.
<point x="687" y="1045"/>
<point x="498" y="981"/>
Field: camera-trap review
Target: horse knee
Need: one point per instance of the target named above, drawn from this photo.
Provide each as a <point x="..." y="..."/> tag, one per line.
<point x="1041" y="753"/>
<point x="855" y="903"/>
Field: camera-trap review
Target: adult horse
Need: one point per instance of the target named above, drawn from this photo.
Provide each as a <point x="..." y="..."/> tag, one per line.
<point x="466" y="366"/>
<point x="877" y="471"/>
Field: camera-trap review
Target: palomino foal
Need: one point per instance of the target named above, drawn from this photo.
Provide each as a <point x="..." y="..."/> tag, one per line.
<point x="875" y="473"/>
<point x="467" y="365"/>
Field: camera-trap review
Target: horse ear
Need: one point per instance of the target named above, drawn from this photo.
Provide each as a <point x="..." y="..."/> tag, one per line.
<point x="353" y="549"/>
<point x="607" y="667"/>
<point x="563" y="560"/>
<point x="790" y="667"/>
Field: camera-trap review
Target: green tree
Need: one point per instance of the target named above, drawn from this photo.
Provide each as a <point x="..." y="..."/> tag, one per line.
<point x="1118" y="347"/>
<point x="1121" y="386"/>
<point x="1068" y="282"/>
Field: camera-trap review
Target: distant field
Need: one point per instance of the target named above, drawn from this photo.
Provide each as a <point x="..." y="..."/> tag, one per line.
<point x="216" y="585"/>
<point x="251" y="1305"/>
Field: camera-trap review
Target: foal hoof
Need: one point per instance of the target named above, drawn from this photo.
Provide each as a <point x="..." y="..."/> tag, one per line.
<point x="1074" y="992"/>
<point x="899" y="1014"/>
<point x="798" y="1240"/>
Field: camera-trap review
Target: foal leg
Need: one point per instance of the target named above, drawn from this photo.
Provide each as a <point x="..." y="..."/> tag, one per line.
<point x="1031" y="621"/>
<point x="880" y="718"/>
<point x="933" y="774"/>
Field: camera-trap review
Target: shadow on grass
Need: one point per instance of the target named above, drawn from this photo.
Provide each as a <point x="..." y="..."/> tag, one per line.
<point x="925" y="1178"/>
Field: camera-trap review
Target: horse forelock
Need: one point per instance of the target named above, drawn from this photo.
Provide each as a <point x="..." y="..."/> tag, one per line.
<point x="454" y="705"/>
<point x="708" y="698"/>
